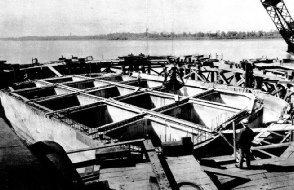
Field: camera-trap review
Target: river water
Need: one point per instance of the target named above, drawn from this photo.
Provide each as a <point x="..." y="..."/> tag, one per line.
<point x="234" y="50"/>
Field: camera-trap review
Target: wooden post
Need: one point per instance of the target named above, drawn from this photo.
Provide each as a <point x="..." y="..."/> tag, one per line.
<point x="165" y="135"/>
<point x="123" y="69"/>
<point x="234" y="141"/>
<point x="149" y="67"/>
<point x="212" y="76"/>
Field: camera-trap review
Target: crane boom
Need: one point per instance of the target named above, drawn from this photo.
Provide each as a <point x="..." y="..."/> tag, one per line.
<point x="281" y="17"/>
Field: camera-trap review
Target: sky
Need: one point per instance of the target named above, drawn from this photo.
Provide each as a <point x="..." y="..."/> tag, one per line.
<point x="92" y="17"/>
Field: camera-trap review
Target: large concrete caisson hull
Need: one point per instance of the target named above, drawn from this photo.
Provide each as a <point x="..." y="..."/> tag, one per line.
<point x="80" y="111"/>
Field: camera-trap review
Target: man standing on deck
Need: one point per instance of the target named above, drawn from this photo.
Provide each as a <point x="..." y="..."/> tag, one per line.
<point x="244" y="140"/>
<point x="139" y="78"/>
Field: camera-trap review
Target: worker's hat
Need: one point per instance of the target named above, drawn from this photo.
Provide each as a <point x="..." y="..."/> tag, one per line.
<point x="244" y="122"/>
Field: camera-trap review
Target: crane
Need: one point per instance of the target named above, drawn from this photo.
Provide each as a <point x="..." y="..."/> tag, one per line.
<point x="281" y="17"/>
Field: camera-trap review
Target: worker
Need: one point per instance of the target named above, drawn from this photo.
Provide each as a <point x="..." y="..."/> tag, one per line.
<point x="244" y="140"/>
<point x="139" y="78"/>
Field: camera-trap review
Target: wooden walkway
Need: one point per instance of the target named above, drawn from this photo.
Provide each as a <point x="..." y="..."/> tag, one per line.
<point x="134" y="177"/>
<point x="273" y="173"/>
<point x="188" y="174"/>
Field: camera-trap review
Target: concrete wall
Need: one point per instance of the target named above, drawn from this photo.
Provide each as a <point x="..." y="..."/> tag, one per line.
<point x="124" y="91"/>
<point x="161" y="101"/>
<point x="60" y="80"/>
<point x="273" y="107"/>
<point x="85" y="100"/>
<point x="211" y="116"/>
<point x="148" y="101"/>
<point x="119" y="114"/>
<point x="152" y="84"/>
<point x="256" y="119"/>
<point x="127" y="78"/>
<point x="100" y="83"/>
<point x="233" y="100"/>
<point x="113" y="78"/>
<point x="114" y="91"/>
<point x="135" y="130"/>
<point x="41" y="83"/>
<point x="200" y="114"/>
<point x="38" y="93"/>
<point x="100" y="115"/>
<point x="166" y="132"/>
<point x="142" y="101"/>
<point x="60" y="103"/>
<point x="59" y="91"/>
<point x="106" y="92"/>
<point x="74" y="78"/>
<point x="92" y="117"/>
<point x="32" y="125"/>
<point x="82" y="85"/>
<point x="185" y="91"/>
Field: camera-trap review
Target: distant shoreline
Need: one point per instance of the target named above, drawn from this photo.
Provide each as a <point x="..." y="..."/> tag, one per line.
<point x="230" y="35"/>
<point x="143" y="39"/>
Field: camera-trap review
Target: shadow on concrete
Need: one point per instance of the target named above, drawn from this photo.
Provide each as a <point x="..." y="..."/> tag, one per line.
<point x="3" y="116"/>
<point x="273" y="168"/>
<point x="268" y="167"/>
<point x="233" y="183"/>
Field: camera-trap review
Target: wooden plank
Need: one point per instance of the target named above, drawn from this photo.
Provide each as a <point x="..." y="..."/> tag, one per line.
<point x="264" y="152"/>
<point x="223" y="172"/>
<point x="255" y="130"/>
<point x="219" y="159"/>
<point x="263" y="134"/>
<point x="277" y="134"/>
<point x="271" y="146"/>
<point x="54" y="71"/>
<point x="286" y="137"/>
<point x="106" y="146"/>
<point x="288" y="152"/>
<point x="187" y="169"/>
<point x="266" y="142"/>
<point x="280" y="127"/>
<point x="240" y="82"/>
<point x="160" y="174"/>
<point x="89" y="170"/>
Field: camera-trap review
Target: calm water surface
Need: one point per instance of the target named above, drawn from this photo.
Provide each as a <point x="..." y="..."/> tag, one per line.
<point x="234" y="50"/>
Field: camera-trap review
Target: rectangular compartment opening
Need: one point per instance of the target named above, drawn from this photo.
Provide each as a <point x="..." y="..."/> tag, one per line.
<point x="184" y="91"/>
<point x="205" y="115"/>
<point x="145" y="83"/>
<point x="233" y="100"/>
<point x="60" y="103"/>
<point x="87" y="84"/>
<point x="148" y="101"/>
<point x="113" y="91"/>
<point x="100" y="115"/>
<point x="64" y="79"/>
<point x="43" y="92"/>
<point x="24" y="85"/>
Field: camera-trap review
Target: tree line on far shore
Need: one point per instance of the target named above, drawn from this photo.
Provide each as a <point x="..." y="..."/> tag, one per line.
<point x="163" y="36"/>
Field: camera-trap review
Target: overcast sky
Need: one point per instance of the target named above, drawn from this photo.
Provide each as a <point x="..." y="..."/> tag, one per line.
<point x="90" y="17"/>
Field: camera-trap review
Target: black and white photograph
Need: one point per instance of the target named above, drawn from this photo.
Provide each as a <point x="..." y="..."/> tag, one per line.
<point x="146" y="94"/>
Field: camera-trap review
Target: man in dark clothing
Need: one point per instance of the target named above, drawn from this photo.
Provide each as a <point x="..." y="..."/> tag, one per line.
<point x="244" y="140"/>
